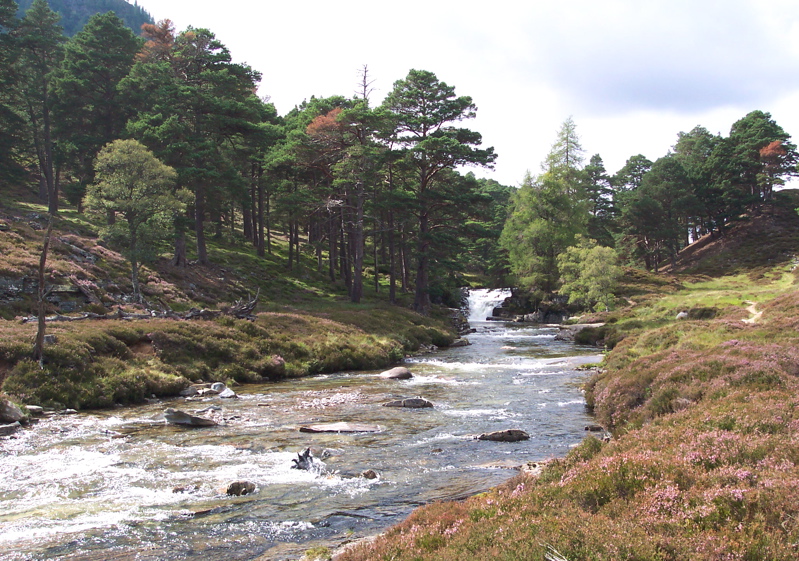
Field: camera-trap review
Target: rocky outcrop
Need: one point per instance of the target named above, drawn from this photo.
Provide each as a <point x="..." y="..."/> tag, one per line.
<point x="411" y="402"/>
<point x="508" y="435"/>
<point x="570" y="332"/>
<point x="176" y="417"/>
<point x="397" y="373"/>
<point x="462" y="342"/>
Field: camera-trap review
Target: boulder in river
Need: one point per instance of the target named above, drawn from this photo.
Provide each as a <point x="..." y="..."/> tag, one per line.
<point x="462" y="342"/>
<point x="218" y="387"/>
<point x="397" y="373"/>
<point x="411" y="402"/>
<point x="227" y="393"/>
<point x="176" y="417"/>
<point x="240" y="488"/>
<point x="35" y="410"/>
<point x="369" y="474"/>
<point x="10" y="413"/>
<point x="340" y="427"/>
<point x="6" y="430"/>
<point x="508" y="435"/>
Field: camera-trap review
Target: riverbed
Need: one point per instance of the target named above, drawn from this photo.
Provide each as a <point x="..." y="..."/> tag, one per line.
<point x="122" y="484"/>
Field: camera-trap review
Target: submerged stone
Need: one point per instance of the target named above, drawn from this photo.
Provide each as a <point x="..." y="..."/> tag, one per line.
<point x="508" y="435"/>
<point x="397" y="373"/>
<point x="411" y="402"/>
<point x="176" y="417"/>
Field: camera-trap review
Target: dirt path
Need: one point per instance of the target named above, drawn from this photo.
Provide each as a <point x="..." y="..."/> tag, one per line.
<point x="752" y="309"/>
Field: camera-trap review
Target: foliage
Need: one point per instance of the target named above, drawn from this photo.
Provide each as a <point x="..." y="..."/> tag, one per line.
<point x="75" y="14"/>
<point x="589" y="274"/>
<point x="132" y="182"/>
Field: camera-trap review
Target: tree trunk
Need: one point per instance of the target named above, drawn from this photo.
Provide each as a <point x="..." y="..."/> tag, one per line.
<point x="392" y="279"/>
<point x="179" y="260"/>
<point x="332" y="254"/>
<point x="38" y="347"/>
<point x="358" y="246"/>
<point x="199" y="229"/>
<point x="421" y="300"/>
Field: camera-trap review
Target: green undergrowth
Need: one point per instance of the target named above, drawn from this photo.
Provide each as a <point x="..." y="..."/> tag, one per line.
<point x="101" y="363"/>
<point x="702" y="465"/>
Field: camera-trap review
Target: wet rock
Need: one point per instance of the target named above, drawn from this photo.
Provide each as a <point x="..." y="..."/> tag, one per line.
<point x="397" y="373"/>
<point x="218" y="387"/>
<point x="369" y="474"/>
<point x="176" y="417"/>
<point x="208" y="409"/>
<point x="227" y="393"/>
<point x="411" y="402"/>
<point x="304" y="460"/>
<point x="186" y="489"/>
<point x="206" y="391"/>
<point x="188" y="392"/>
<point x="594" y="428"/>
<point x="68" y="412"/>
<point x="240" y="488"/>
<point x="340" y="427"/>
<point x="35" y="410"/>
<point x="569" y="332"/>
<point x="508" y="435"/>
<point x="9" y="412"/>
<point x="9" y="429"/>
<point x="462" y="342"/>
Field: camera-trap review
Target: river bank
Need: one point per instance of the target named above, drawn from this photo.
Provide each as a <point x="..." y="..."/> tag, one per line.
<point x="120" y="488"/>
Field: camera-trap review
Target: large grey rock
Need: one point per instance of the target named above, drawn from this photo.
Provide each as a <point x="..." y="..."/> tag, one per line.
<point x="462" y="342"/>
<point x="218" y="387"/>
<point x="176" y="417"/>
<point x="397" y="373"/>
<point x="509" y="435"/>
<point x="35" y="410"/>
<point x="6" y="430"/>
<point x="227" y="393"/>
<point x="9" y="412"/>
<point x="411" y="402"/>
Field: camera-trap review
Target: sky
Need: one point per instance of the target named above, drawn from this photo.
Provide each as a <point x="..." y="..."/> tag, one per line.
<point x="632" y="74"/>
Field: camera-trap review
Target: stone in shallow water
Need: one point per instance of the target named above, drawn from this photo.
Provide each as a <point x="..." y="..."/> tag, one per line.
<point x="509" y="435"/>
<point x="340" y="427"/>
<point x="177" y="417"/>
<point x="240" y="488"/>
<point x="411" y="402"/>
<point x="397" y="373"/>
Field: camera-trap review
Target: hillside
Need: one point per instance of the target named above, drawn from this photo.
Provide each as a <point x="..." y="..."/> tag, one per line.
<point x="75" y="13"/>
<point x="701" y="417"/>
<point x="304" y="323"/>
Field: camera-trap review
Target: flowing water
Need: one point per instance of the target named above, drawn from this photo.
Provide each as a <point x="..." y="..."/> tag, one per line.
<point x="102" y="485"/>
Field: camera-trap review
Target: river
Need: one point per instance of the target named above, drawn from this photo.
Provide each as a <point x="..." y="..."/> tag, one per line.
<point x="101" y="485"/>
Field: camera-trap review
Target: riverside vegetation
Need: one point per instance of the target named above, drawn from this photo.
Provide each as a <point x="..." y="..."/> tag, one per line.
<point x="306" y="325"/>
<point x="704" y="417"/>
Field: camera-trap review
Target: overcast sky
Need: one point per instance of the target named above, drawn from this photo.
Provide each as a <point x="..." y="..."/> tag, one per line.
<point x="631" y="73"/>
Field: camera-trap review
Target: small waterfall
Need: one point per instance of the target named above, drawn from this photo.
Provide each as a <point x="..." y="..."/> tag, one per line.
<point x="482" y="302"/>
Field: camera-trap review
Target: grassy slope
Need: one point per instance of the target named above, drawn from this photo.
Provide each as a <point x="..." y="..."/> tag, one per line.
<point x="305" y="323"/>
<point x="703" y="463"/>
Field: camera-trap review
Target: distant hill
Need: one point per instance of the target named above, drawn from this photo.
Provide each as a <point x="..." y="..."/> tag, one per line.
<point x="75" y="13"/>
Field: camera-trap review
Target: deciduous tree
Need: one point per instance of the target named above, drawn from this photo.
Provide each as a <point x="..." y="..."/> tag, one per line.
<point x="134" y="184"/>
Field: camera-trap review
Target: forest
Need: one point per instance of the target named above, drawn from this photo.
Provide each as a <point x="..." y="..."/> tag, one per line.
<point x="377" y="193"/>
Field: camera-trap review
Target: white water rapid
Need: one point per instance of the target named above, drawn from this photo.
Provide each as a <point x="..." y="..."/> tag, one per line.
<point x="482" y="302"/>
